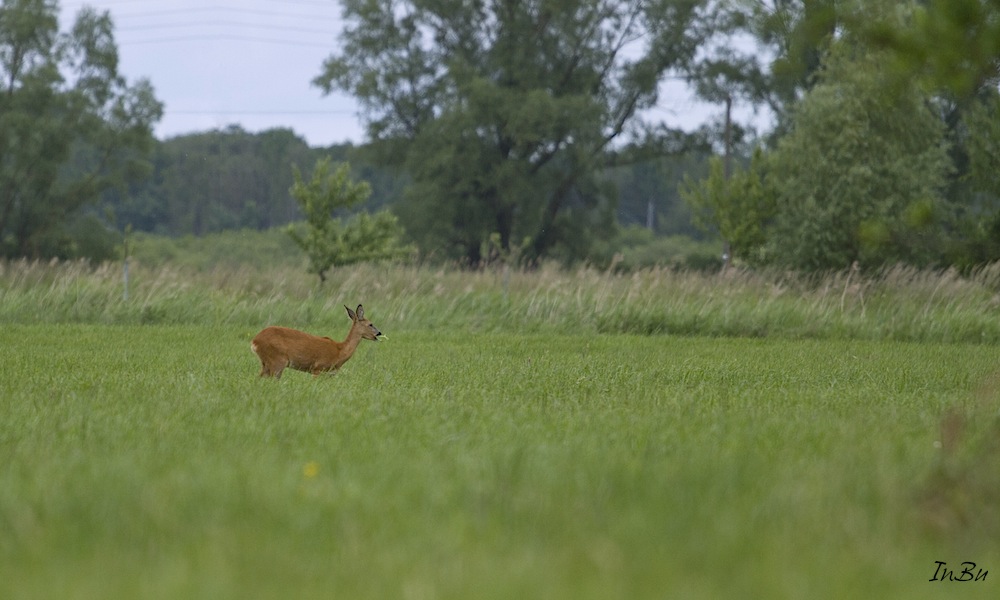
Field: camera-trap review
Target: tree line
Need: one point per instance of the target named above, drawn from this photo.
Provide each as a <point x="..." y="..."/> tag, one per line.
<point x="230" y="178"/>
<point x="526" y="128"/>
<point x="886" y="153"/>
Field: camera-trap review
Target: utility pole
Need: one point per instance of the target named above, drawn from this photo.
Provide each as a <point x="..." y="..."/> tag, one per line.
<point x="125" y="255"/>
<point x="727" y="255"/>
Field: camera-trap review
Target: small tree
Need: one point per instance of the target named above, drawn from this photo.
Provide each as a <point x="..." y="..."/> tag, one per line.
<point x="737" y="208"/>
<point x="328" y="241"/>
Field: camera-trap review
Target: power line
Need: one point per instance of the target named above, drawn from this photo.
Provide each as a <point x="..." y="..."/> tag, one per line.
<point x="72" y="5"/>
<point x="256" y="112"/>
<point x="228" y="29"/>
<point x="104" y="3"/>
<point x="222" y="23"/>
<point x="301" y="2"/>
<point x="225" y="37"/>
<point x="228" y="11"/>
<point x="127" y="21"/>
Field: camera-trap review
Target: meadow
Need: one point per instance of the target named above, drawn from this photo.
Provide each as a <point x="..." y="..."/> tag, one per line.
<point x="529" y="434"/>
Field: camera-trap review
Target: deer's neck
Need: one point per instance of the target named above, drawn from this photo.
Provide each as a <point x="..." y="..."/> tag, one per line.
<point x="350" y="344"/>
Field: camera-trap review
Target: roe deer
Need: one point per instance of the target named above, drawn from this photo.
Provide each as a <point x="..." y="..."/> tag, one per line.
<point x="280" y="347"/>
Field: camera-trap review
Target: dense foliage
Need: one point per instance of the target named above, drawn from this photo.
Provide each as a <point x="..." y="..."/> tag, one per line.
<point x="861" y="174"/>
<point x="505" y="114"/>
<point x="879" y="155"/>
<point x="224" y="179"/>
<point x="232" y="179"/>
<point x="216" y="180"/>
<point x="70" y="125"/>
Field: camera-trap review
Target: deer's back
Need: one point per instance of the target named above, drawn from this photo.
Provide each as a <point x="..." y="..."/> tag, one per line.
<point x="302" y="350"/>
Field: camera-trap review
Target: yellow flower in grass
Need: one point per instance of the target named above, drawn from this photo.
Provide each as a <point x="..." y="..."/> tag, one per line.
<point x="310" y="470"/>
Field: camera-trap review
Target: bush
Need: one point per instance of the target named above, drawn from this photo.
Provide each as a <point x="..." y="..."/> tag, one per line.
<point x="636" y="247"/>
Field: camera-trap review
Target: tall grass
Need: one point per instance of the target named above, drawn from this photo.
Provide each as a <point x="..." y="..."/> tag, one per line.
<point x="899" y="303"/>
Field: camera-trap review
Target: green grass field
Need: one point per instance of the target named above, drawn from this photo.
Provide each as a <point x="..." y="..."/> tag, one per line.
<point x="522" y="434"/>
<point x="149" y="461"/>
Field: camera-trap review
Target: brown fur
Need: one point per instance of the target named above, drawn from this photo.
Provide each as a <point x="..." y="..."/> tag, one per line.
<point x="281" y="347"/>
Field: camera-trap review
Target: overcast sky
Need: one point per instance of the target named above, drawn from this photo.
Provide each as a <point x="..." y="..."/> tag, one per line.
<point x="250" y="62"/>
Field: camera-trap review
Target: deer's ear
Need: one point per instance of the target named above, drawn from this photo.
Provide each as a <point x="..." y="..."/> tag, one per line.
<point x="361" y="312"/>
<point x="351" y="314"/>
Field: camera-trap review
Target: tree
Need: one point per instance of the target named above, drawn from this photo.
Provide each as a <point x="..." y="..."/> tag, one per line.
<point x="737" y="207"/>
<point x="216" y="180"/>
<point x="231" y="179"/>
<point x="953" y="48"/>
<point x="860" y="176"/>
<point x="329" y="242"/>
<point x="954" y="44"/>
<point x="770" y="52"/>
<point x="70" y="125"/>
<point x="766" y="52"/>
<point x="982" y="122"/>
<point x="979" y="221"/>
<point x="505" y="112"/>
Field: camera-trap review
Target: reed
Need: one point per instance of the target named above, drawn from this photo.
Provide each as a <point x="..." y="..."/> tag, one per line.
<point x="897" y="303"/>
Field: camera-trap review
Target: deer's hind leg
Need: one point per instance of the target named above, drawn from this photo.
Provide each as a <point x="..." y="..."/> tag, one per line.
<point x="272" y="366"/>
<point x="273" y="369"/>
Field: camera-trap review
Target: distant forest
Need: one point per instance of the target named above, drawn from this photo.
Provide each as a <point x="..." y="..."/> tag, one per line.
<point x="233" y="179"/>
